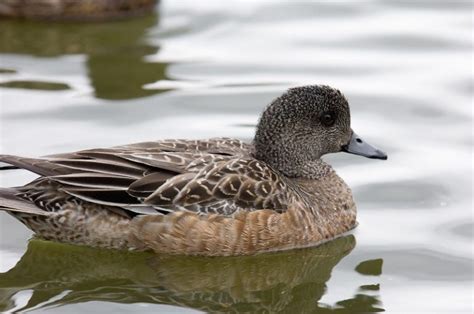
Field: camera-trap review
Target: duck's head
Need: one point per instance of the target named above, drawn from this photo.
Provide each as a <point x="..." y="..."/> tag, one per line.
<point x="303" y="124"/>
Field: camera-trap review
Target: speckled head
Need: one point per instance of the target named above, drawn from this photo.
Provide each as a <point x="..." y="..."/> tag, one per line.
<point x="303" y="124"/>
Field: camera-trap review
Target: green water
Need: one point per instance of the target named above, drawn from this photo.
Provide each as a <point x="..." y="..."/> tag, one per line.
<point x="285" y="281"/>
<point x="202" y="71"/>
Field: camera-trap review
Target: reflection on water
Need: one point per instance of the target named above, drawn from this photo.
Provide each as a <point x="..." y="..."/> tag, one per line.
<point x="370" y="267"/>
<point x="115" y="53"/>
<point x="7" y="71"/>
<point x="35" y="85"/>
<point x="58" y="274"/>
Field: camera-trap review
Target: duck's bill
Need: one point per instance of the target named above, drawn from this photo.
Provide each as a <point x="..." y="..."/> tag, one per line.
<point x="358" y="146"/>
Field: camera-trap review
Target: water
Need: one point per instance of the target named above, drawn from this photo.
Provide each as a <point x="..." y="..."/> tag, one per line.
<point x="202" y="71"/>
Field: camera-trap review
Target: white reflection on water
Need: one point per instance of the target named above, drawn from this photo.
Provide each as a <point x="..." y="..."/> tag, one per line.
<point x="404" y="66"/>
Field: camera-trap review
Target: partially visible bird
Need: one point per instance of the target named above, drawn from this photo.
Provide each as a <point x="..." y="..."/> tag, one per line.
<point x="202" y="197"/>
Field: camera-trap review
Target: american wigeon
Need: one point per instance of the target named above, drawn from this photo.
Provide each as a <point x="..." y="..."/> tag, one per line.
<point x="202" y="197"/>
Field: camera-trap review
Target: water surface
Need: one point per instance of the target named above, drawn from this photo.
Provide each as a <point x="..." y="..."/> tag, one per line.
<point x="192" y="71"/>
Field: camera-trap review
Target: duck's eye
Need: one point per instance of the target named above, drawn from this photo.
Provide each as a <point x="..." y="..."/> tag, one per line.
<point x="328" y="119"/>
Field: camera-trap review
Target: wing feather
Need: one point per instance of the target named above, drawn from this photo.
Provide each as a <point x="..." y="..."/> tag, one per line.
<point x="94" y="180"/>
<point x="122" y="168"/>
<point x="206" y="176"/>
<point x="232" y="181"/>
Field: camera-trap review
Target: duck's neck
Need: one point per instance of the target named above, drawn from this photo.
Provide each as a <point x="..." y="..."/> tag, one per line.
<point x="315" y="170"/>
<point x="295" y="167"/>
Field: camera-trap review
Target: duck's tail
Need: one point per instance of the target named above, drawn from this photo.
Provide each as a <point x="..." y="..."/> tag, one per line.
<point x="11" y="202"/>
<point x="5" y="165"/>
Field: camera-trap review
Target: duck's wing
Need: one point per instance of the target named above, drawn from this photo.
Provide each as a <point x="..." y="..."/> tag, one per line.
<point x="108" y="156"/>
<point x="220" y="145"/>
<point x="222" y="187"/>
<point x="213" y="176"/>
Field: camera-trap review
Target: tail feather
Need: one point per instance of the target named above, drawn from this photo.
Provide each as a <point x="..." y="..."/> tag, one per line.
<point x="9" y="201"/>
<point x="5" y="166"/>
<point x="37" y="165"/>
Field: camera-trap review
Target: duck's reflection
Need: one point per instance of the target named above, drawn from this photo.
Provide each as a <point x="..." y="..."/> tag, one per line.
<point x="288" y="281"/>
<point x="115" y="51"/>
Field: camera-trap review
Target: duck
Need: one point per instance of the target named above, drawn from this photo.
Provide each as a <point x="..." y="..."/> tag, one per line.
<point x="79" y="10"/>
<point x="211" y="197"/>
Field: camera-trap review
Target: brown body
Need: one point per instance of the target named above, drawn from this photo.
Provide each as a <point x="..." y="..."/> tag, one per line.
<point x="253" y="232"/>
<point x="184" y="232"/>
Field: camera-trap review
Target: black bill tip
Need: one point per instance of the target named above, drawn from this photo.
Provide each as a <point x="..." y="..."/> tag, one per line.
<point x="358" y="146"/>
